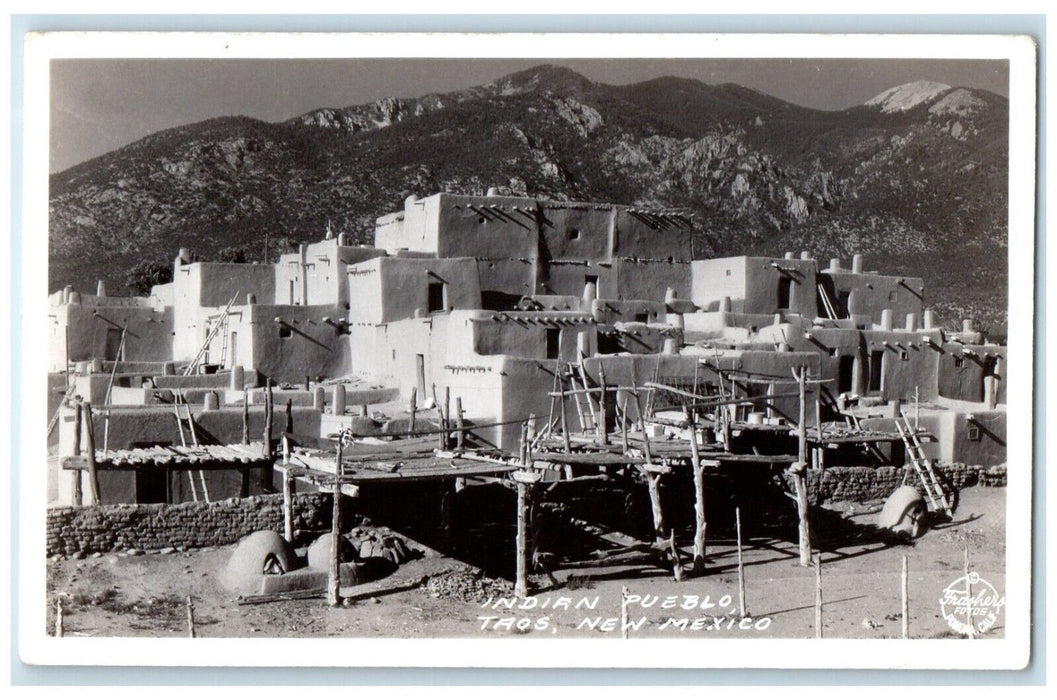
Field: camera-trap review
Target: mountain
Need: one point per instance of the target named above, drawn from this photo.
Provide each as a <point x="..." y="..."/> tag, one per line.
<point x="915" y="178"/>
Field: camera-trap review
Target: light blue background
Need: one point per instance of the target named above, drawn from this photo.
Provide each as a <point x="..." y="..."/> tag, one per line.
<point x="1032" y="25"/>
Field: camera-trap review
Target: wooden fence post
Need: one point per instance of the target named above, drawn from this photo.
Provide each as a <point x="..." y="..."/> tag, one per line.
<point x="741" y="567"/>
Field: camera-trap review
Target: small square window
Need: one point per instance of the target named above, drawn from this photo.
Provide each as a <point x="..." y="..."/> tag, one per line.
<point x="973" y="432"/>
<point x="893" y="296"/>
<point x="728" y="273"/>
<point x="834" y="352"/>
<point x="285" y="331"/>
<point x="958" y="362"/>
<point x="904" y="355"/>
<point x="574" y="234"/>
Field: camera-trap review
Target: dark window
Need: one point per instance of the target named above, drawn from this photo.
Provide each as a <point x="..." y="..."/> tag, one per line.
<point x="642" y="317"/>
<point x="904" y="355"/>
<point x="553" y="346"/>
<point x="113" y="344"/>
<point x="973" y="431"/>
<point x="152" y="485"/>
<point x="845" y="373"/>
<point x="436" y="297"/>
<point x="574" y="234"/>
<point x="591" y="279"/>
<point x="285" y="331"/>
<point x="876" y="369"/>
<point x="958" y="362"/>
<point x="785" y="291"/>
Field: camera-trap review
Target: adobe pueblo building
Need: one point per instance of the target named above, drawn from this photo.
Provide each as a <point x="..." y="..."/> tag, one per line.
<point x="515" y="339"/>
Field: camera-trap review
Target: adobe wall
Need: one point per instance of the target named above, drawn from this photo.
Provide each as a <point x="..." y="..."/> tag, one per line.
<point x="486" y="227"/>
<point x="650" y="279"/>
<point x="90" y="529"/>
<point x="862" y="484"/>
<point x="870" y="294"/>
<point x="149" y="337"/>
<point x="284" y="353"/>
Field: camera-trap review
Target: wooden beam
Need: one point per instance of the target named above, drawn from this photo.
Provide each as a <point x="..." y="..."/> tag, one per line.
<point x="798" y="469"/>
<point x="334" y="575"/>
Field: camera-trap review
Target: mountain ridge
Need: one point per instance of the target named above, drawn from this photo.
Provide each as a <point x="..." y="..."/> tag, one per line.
<point x="760" y="174"/>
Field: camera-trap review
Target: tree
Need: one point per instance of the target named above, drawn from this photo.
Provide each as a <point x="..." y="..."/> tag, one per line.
<point x="142" y="276"/>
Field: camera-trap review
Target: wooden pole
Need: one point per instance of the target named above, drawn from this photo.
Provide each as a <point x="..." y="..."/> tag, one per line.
<point x="699" y="498"/>
<point x="741" y="567"/>
<point x="93" y="475"/>
<point x="412" y="408"/>
<point x="268" y="420"/>
<point x="334" y="575"/>
<point x="799" y="481"/>
<point x="969" y="596"/>
<point x="653" y="481"/>
<point x="623" y="426"/>
<point x="603" y="429"/>
<point x="288" y="506"/>
<point x="521" y="576"/>
<point x="245" y="416"/>
<point x="561" y="403"/>
<point x="447" y="416"/>
<point x="818" y="597"/>
<point x="289" y="416"/>
<point x="58" y="617"/>
<point x="460" y="438"/>
<point x="677" y="564"/>
<point x="78" y="497"/>
<point x="190" y="618"/>
<point x="905" y="594"/>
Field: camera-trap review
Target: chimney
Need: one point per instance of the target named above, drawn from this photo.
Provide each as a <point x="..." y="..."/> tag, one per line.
<point x="834" y="264"/>
<point x="724" y="304"/>
<point x="929" y="320"/>
<point x="789" y="255"/>
<point x="805" y="255"/>
<point x="492" y="192"/>
<point x="912" y="322"/>
<point x="968" y="326"/>
<point x="100" y="288"/>
<point x="856" y="264"/>
<point x="886" y="319"/>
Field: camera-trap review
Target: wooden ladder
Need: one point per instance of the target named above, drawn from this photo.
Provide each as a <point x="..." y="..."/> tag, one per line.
<point x="922" y="465"/>
<point x="222" y="321"/>
<point x="178" y="401"/>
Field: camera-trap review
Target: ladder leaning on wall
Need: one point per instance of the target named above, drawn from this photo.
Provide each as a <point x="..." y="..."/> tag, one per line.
<point x="222" y="322"/>
<point x="178" y="402"/>
<point x="922" y="465"/>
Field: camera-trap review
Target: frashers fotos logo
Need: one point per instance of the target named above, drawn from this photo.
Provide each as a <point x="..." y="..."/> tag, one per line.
<point x="970" y="605"/>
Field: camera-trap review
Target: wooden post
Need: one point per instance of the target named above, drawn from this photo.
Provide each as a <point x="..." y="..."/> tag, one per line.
<point x="624" y="612"/>
<point x="334" y="575"/>
<point x="905" y="594"/>
<point x="288" y="506"/>
<point x="524" y="481"/>
<point x="818" y="597"/>
<point x="411" y="408"/>
<point x="190" y="618"/>
<point x="289" y="416"/>
<point x="969" y="596"/>
<point x="677" y="564"/>
<point x="267" y="424"/>
<point x="603" y="430"/>
<point x="78" y="498"/>
<point x="58" y="617"/>
<point x="699" y="498"/>
<point x="653" y="481"/>
<point x="623" y="426"/>
<point x="460" y="438"/>
<point x="245" y="416"/>
<point x="561" y="404"/>
<point x="741" y="567"/>
<point x="799" y="482"/>
<point x="447" y="416"/>
<point x="93" y="475"/>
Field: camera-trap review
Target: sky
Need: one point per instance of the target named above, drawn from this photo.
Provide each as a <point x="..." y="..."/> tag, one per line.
<point x="100" y="105"/>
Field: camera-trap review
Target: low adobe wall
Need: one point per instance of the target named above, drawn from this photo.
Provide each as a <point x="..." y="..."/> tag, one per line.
<point x="106" y="528"/>
<point x="860" y="484"/>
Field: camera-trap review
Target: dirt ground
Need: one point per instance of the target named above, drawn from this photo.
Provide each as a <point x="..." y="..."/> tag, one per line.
<point x="126" y="595"/>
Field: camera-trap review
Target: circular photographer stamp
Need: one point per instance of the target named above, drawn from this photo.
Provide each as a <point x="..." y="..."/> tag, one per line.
<point x="971" y="605"/>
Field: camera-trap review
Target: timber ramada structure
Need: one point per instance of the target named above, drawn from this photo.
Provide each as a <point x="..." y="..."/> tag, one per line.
<point x="514" y="339"/>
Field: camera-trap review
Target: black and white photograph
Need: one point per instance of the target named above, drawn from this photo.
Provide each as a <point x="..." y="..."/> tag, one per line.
<point x="484" y="343"/>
